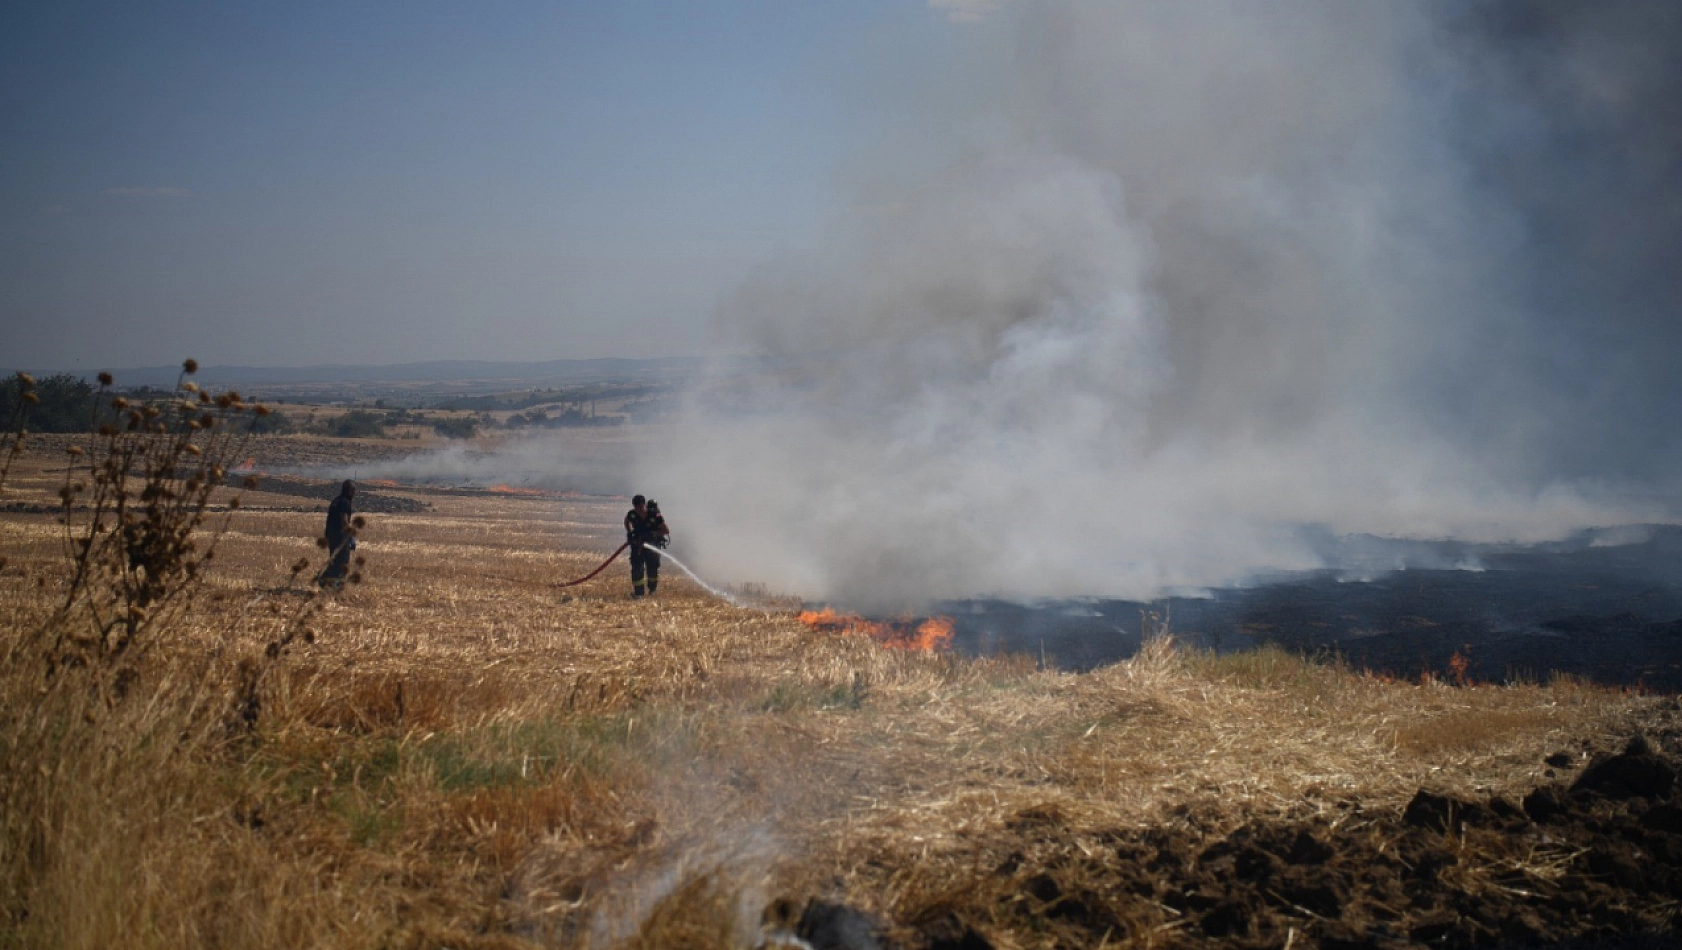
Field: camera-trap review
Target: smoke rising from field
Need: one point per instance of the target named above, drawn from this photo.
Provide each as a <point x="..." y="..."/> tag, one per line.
<point x="551" y="461"/>
<point x="1188" y="278"/>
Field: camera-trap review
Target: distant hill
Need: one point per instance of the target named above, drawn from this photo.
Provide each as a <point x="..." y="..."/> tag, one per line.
<point x="550" y="371"/>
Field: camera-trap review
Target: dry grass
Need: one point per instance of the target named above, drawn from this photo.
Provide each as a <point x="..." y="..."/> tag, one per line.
<point x="467" y="757"/>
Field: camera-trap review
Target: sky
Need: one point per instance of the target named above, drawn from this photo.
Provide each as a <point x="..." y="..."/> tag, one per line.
<point x="377" y="182"/>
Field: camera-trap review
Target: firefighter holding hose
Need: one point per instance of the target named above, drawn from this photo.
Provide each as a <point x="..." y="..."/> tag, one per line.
<point x="645" y="531"/>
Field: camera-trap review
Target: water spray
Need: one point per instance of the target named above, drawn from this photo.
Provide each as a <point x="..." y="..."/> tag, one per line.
<point x="725" y="596"/>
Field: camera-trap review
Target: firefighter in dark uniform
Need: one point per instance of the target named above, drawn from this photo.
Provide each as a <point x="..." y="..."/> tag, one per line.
<point x="341" y="537"/>
<point x="645" y="531"/>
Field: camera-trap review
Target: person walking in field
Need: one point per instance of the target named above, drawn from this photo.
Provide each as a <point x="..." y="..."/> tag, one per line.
<point x="341" y="537"/>
<point x="645" y="530"/>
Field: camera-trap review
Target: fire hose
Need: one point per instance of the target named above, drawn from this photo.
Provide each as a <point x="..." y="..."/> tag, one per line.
<point x="722" y="595"/>
<point x="610" y="559"/>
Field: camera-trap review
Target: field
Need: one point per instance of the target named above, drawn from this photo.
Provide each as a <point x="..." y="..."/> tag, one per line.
<point x="462" y="754"/>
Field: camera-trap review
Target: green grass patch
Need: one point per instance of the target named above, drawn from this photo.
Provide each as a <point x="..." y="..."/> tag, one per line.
<point x="791" y="696"/>
<point x="497" y="755"/>
<point x="371" y="825"/>
<point x="1267" y="667"/>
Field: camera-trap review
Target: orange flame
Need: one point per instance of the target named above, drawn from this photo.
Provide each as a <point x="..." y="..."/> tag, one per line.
<point x="1458" y="666"/>
<point x="246" y="467"/>
<point x="528" y="492"/>
<point x="930" y="636"/>
<point x="382" y="482"/>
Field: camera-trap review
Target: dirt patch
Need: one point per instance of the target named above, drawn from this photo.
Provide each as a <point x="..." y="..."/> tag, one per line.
<point x="1594" y="862"/>
<point x="366" y="500"/>
<point x="311" y="452"/>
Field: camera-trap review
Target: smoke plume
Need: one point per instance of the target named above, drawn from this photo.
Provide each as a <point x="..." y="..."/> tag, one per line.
<point x="1188" y="285"/>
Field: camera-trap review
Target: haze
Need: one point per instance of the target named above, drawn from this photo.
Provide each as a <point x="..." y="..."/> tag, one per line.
<point x="1064" y="297"/>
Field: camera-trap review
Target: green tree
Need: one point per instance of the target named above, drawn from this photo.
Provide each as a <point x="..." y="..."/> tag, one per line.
<point x="462" y="428"/>
<point x="357" y="424"/>
<point x="66" y="404"/>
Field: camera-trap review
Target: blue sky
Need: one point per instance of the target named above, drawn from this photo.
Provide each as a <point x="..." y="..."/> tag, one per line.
<point x="304" y="182"/>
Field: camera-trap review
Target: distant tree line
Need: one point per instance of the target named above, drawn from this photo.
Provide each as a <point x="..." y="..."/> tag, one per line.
<point x="373" y="423"/>
<point x="570" y="417"/>
<point x="66" y="404"/>
<point x="575" y="395"/>
<point x="69" y="403"/>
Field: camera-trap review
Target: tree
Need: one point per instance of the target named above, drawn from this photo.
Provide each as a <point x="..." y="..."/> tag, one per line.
<point x="463" y="428"/>
<point x="66" y="404"/>
<point x="357" y="424"/>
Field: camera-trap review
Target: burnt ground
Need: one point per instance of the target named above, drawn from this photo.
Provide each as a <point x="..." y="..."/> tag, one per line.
<point x="325" y="490"/>
<point x="1593" y="859"/>
<point x="1606" y="606"/>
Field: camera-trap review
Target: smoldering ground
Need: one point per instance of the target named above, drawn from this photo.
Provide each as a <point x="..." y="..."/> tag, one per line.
<point x="1137" y="292"/>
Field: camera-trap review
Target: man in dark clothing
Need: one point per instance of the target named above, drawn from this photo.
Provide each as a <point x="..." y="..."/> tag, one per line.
<point x="645" y="530"/>
<point x="341" y="537"/>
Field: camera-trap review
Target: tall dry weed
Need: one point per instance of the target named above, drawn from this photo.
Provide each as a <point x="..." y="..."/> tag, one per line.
<point x="112" y="731"/>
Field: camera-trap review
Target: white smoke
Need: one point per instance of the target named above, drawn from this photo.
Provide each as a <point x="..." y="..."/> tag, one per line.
<point x="1193" y="277"/>
<point x="564" y="460"/>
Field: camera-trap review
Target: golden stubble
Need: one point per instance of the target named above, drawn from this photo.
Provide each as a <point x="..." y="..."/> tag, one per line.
<point x="467" y="755"/>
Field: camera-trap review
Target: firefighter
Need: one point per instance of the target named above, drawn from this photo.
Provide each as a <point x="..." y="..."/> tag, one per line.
<point x="645" y="530"/>
<point x="657" y="523"/>
<point x="341" y="537"/>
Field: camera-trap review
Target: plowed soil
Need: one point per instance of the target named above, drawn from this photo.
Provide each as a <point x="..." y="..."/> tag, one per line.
<point x="1587" y="862"/>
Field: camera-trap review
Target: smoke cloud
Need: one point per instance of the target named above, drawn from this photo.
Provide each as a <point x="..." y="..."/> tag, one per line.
<point x="1190" y="285"/>
<point x="556" y="461"/>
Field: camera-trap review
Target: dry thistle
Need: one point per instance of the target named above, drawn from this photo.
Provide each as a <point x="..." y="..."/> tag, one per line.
<point x="134" y="536"/>
<point x="190" y="366"/>
<point x="105" y="379"/>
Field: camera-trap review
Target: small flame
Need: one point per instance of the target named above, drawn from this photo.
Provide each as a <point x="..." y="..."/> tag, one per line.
<point x="382" y="483"/>
<point x="525" y="492"/>
<point x="247" y="467"/>
<point x="930" y="636"/>
<point x="1459" y="665"/>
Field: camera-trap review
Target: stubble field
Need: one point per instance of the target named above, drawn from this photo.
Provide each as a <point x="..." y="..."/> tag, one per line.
<point x="465" y="755"/>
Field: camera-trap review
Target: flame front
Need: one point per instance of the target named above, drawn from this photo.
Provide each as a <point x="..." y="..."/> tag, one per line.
<point x="501" y="489"/>
<point x="930" y="636"/>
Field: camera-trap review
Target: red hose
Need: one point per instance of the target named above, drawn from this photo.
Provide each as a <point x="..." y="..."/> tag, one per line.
<point x="610" y="559"/>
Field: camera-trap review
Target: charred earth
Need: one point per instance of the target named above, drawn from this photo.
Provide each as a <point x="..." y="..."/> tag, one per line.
<point x="1610" y="612"/>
